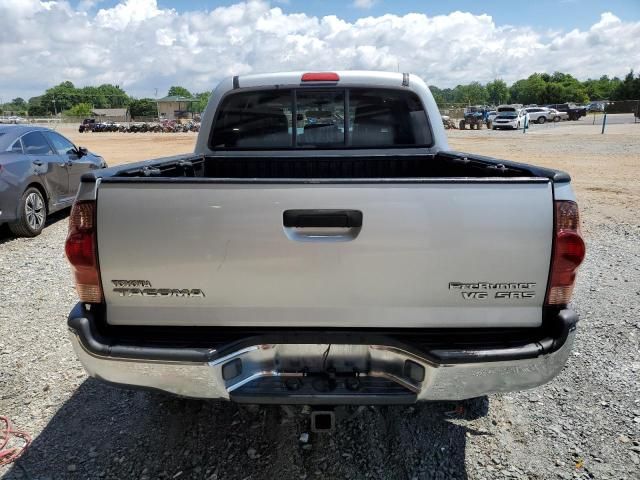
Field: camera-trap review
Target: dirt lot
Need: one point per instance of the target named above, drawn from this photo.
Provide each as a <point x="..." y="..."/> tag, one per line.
<point x="585" y="424"/>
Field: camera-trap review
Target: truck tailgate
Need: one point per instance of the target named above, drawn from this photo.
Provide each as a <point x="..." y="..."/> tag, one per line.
<point x="447" y="253"/>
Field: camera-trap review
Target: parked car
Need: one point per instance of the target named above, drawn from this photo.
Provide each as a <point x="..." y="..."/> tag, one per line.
<point x="573" y="111"/>
<point x="598" y="106"/>
<point x="509" y="117"/>
<point x="557" y="116"/>
<point x="538" y="114"/>
<point x="40" y="172"/>
<point x="13" y="119"/>
<point x="290" y="261"/>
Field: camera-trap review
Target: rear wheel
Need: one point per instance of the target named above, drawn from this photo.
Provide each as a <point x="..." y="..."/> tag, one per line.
<point x="462" y="124"/>
<point x="541" y="120"/>
<point x="32" y="214"/>
<point x="479" y="126"/>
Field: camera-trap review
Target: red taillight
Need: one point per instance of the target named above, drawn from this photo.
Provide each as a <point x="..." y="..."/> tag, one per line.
<point x="568" y="253"/>
<point x="81" y="251"/>
<point x="320" y="77"/>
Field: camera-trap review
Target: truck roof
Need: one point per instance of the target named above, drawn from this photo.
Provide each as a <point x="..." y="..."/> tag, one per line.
<point x="352" y="77"/>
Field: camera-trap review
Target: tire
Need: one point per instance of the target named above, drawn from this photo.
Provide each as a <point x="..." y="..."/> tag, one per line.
<point x="32" y="214"/>
<point x="479" y="126"/>
<point x="462" y="124"/>
<point x="541" y="120"/>
<point x="494" y="128"/>
<point x="490" y="126"/>
<point x="556" y="119"/>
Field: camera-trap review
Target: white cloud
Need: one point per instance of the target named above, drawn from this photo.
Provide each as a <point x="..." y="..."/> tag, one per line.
<point x="139" y="45"/>
<point x="364" y="4"/>
<point x="128" y="12"/>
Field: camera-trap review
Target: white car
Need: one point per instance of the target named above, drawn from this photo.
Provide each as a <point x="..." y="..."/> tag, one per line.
<point x="538" y="114"/>
<point x="14" y="119"/>
<point x="509" y="117"/>
<point x="557" y="115"/>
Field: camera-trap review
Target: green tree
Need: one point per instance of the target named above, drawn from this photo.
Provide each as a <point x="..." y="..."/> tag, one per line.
<point x="553" y="93"/>
<point x="528" y="91"/>
<point x="144" y="107"/>
<point x="628" y="89"/>
<point x="472" y="94"/>
<point x="573" y="90"/>
<point x="19" y="102"/>
<point x="437" y="94"/>
<point x="79" y="110"/>
<point x="203" y="99"/>
<point x="36" y="108"/>
<point x="61" y="97"/>
<point x="65" y="95"/>
<point x="116" y="97"/>
<point x="442" y="96"/>
<point x="179" y="91"/>
<point x="497" y="92"/>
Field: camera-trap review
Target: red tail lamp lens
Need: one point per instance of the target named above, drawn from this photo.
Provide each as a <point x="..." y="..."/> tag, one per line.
<point x="568" y="253"/>
<point x="320" y="77"/>
<point x="81" y="252"/>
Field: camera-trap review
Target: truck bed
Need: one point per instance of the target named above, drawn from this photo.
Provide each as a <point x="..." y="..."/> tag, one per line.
<point x="327" y="166"/>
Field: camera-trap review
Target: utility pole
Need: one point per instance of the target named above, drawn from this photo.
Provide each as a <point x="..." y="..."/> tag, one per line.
<point x="157" y="106"/>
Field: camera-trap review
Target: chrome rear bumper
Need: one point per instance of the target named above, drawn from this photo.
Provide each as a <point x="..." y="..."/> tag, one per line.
<point x="321" y="373"/>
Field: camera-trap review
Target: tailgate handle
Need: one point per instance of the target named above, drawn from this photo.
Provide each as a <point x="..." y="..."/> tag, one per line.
<point x="322" y="218"/>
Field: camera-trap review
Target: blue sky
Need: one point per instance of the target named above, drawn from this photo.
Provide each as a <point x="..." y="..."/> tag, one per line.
<point x="144" y="45"/>
<point x="554" y="14"/>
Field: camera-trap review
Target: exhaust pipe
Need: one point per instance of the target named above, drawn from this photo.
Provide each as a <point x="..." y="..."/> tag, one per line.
<point x="323" y="421"/>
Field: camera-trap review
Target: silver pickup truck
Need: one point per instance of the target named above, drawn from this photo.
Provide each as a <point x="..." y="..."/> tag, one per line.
<point x="323" y="246"/>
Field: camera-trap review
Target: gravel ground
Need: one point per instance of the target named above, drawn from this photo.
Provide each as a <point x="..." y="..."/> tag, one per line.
<point x="584" y="424"/>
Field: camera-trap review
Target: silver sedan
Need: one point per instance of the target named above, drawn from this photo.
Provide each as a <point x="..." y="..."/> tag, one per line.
<point x="40" y="172"/>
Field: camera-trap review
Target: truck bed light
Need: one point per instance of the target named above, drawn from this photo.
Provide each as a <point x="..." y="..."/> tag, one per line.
<point x="320" y="77"/>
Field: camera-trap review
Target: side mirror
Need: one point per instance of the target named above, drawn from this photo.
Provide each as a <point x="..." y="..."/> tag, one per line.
<point x="82" y="151"/>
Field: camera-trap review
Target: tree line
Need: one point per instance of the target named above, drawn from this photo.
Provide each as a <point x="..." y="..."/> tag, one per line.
<point x="541" y="89"/>
<point x="538" y="88"/>
<point x="70" y="100"/>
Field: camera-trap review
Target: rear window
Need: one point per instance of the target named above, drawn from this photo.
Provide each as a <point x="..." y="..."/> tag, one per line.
<point x="320" y="118"/>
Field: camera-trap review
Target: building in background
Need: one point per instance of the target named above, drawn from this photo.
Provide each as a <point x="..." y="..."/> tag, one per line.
<point x="175" y="107"/>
